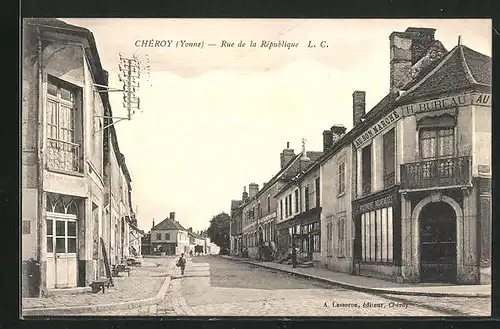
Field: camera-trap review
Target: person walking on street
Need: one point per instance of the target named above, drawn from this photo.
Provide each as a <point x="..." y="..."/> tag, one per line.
<point x="294" y="256"/>
<point x="182" y="263"/>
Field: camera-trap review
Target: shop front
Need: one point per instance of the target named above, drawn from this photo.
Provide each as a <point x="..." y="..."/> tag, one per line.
<point x="302" y="232"/>
<point x="377" y="242"/>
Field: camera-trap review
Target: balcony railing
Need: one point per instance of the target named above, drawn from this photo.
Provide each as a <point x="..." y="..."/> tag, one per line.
<point x="436" y="173"/>
<point x="64" y="156"/>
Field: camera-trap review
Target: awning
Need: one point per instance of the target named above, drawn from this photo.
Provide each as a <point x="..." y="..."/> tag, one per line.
<point x="307" y="217"/>
<point x="440" y="118"/>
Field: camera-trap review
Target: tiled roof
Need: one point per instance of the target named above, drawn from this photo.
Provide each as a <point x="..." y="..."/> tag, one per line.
<point x="194" y="235"/>
<point x="460" y="69"/>
<point x="169" y="224"/>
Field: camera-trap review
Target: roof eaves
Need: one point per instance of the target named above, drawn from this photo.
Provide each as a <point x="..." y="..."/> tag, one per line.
<point x="466" y="67"/>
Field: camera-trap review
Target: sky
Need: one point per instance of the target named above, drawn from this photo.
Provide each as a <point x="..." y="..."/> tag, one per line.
<point x="215" y="119"/>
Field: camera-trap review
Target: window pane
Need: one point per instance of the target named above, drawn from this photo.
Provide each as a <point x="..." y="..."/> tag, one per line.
<point x="66" y="94"/>
<point x="384" y="234"/>
<point x="50" y="244"/>
<point x="446" y="145"/>
<point x="427" y="134"/>
<point x="428" y="148"/>
<point x="51" y="89"/>
<point x="378" y="220"/>
<point x="389" y="234"/>
<point x="60" y="245"/>
<point x="71" y="228"/>
<point x="72" y="245"/>
<point x="49" y="227"/>
<point x="372" y="236"/>
<point x="60" y="228"/>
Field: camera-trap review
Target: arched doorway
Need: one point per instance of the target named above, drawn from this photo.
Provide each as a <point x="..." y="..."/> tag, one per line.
<point x="438" y="243"/>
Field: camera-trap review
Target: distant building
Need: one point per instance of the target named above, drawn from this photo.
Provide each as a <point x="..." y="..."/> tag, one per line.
<point x="195" y="240"/>
<point x="170" y="237"/>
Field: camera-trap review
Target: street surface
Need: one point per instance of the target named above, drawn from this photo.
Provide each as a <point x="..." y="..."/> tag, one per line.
<point x="214" y="286"/>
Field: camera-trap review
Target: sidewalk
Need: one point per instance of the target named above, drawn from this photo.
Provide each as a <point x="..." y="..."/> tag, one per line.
<point x="373" y="285"/>
<point x="144" y="286"/>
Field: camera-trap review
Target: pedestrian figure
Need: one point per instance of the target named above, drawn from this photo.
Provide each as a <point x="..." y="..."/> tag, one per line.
<point x="294" y="257"/>
<point x="190" y="253"/>
<point x="182" y="263"/>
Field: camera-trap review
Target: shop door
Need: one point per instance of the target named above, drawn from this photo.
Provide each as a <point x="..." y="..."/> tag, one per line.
<point x="61" y="251"/>
<point x="438" y="250"/>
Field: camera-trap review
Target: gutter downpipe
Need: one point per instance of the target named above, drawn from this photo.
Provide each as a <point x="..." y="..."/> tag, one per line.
<point x="40" y="167"/>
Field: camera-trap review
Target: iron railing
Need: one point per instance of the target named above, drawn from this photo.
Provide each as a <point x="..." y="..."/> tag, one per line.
<point x="64" y="156"/>
<point x="436" y="173"/>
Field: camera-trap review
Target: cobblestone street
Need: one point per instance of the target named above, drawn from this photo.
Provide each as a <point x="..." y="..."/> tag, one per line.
<point x="213" y="286"/>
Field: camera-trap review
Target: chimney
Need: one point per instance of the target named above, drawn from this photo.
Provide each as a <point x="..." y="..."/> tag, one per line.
<point x="286" y="155"/>
<point x="253" y="189"/>
<point x="190" y="229"/>
<point x="244" y="195"/>
<point x="304" y="152"/>
<point x="153" y="222"/>
<point x="337" y="132"/>
<point x="327" y="140"/>
<point x="172" y="215"/>
<point x="358" y="106"/>
<point x="406" y="49"/>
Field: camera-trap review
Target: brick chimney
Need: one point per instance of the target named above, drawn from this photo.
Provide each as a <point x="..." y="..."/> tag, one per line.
<point x="190" y="229"/>
<point x="327" y="140"/>
<point x="358" y="106"/>
<point x="244" y="195"/>
<point x="406" y="49"/>
<point x="172" y="215"/>
<point x="337" y="132"/>
<point x="286" y="155"/>
<point x="253" y="189"/>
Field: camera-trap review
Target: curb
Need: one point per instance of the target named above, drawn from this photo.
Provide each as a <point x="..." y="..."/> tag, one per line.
<point x="75" y="310"/>
<point x="368" y="289"/>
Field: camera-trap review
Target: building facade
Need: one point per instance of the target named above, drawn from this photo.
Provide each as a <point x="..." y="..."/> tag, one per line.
<point x="422" y="165"/>
<point x="170" y="237"/>
<point x="235" y="225"/>
<point x="76" y="187"/>
<point x="259" y="212"/>
<point x="62" y="172"/>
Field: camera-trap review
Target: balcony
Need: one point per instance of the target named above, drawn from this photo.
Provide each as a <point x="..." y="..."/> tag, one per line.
<point x="63" y="156"/>
<point x="449" y="172"/>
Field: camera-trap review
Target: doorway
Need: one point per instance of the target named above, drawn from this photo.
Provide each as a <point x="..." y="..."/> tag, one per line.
<point x="62" y="260"/>
<point x="438" y="243"/>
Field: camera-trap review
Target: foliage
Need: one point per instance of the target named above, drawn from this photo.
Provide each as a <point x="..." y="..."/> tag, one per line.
<point x="218" y="231"/>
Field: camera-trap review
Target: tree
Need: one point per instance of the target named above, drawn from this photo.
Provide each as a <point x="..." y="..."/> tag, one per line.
<point x="218" y="231"/>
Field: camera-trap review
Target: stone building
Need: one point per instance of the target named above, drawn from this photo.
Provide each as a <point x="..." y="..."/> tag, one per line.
<point x="67" y="161"/>
<point x="299" y="211"/>
<point x="169" y="237"/>
<point x="235" y="224"/>
<point x="421" y="167"/>
<point x="259" y="211"/>
<point x="62" y="153"/>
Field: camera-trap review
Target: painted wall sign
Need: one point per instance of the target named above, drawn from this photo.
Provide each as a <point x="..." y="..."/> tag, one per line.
<point x="446" y="102"/>
<point x="376" y="204"/>
<point x="377" y="128"/>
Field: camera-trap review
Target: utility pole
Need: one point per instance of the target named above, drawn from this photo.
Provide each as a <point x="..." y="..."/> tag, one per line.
<point x="129" y="75"/>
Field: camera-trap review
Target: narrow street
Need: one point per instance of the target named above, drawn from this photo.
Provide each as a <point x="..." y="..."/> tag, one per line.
<point x="214" y="286"/>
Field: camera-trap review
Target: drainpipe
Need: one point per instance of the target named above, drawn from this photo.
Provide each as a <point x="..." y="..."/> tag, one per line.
<point x="40" y="164"/>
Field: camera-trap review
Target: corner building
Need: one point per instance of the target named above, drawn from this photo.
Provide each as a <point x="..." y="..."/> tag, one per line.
<point x="422" y="201"/>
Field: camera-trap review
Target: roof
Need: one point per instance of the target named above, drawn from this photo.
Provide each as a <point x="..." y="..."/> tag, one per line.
<point x="462" y="68"/>
<point x="313" y="155"/>
<point x="194" y="235"/>
<point x="169" y="224"/>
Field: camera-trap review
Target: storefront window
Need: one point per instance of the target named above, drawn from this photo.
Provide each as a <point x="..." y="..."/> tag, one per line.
<point x="376" y="235"/>
<point x="317" y="243"/>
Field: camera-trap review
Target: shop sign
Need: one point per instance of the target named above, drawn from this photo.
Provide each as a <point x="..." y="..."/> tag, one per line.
<point x="376" y="204"/>
<point x="377" y="128"/>
<point x="446" y="102"/>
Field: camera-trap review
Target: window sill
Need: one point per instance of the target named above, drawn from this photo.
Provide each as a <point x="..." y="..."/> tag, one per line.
<point x="70" y="173"/>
